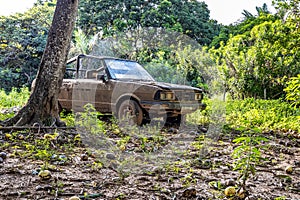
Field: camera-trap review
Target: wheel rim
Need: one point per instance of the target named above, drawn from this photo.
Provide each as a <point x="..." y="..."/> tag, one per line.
<point x="126" y="111"/>
<point x="130" y="112"/>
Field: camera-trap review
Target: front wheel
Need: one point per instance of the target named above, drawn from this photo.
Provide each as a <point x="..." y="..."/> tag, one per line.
<point x="129" y="111"/>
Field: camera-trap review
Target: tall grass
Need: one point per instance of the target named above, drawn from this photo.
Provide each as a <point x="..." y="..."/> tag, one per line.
<point x="263" y="114"/>
<point x="17" y="97"/>
<point x="253" y="113"/>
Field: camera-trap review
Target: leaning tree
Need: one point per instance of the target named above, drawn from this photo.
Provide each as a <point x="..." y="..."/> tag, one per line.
<point x="42" y="106"/>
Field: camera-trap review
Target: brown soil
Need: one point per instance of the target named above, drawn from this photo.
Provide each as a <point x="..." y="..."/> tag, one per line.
<point x="175" y="164"/>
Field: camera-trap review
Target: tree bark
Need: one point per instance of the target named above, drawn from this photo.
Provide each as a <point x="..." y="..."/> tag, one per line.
<point x="42" y="106"/>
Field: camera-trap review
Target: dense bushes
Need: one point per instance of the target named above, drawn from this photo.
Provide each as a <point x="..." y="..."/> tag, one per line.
<point x="293" y="90"/>
<point x="17" y="97"/>
<point x="263" y="114"/>
<point x="22" y="42"/>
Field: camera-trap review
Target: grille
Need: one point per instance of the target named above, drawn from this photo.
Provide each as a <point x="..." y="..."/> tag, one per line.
<point x="185" y="96"/>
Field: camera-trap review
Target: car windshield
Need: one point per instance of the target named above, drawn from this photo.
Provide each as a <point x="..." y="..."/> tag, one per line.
<point x="129" y="70"/>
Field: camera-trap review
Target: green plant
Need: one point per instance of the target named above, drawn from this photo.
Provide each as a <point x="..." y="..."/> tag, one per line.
<point x="201" y="116"/>
<point x="247" y="155"/>
<point x="24" y="36"/>
<point x="6" y="116"/>
<point x="293" y="90"/>
<point x="251" y="113"/>
<point x="96" y="165"/>
<point x="121" y="196"/>
<point x="188" y="179"/>
<point x="263" y="114"/>
<point x="17" y="97"/>
<point x="280" y="198"/>
<point x="123" y="142"/>
<point x="89" y="120"/>
<point x="42" y="154"/>
<point x="68" y="118"/>
<point x="216" y="185"/>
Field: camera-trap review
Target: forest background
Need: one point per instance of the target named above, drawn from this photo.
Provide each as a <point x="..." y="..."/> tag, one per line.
<point x="257" y="56"/>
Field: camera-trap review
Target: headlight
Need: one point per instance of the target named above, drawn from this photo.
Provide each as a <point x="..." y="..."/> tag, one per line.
<point x="198" y="96"/>
<point x="167" y="96"/>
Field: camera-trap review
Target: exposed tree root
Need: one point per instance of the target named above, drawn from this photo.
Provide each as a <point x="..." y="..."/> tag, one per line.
<point x="28" y="116"/>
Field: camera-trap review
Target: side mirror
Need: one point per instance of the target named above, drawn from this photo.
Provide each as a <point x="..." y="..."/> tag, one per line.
<point x="102" y="77"/>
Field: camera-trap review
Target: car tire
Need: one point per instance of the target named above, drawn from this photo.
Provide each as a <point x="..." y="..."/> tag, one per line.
<point x="130" y="112"/>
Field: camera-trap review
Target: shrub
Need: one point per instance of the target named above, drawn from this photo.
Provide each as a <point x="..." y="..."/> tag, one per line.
<point x="293" y="90"/>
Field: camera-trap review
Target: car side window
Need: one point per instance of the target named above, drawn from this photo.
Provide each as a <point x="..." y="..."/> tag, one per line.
<point x="92" y="67"/>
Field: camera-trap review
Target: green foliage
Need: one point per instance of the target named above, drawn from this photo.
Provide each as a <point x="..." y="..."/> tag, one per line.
<point x="68" y="118"/>
<point x="244" y="27"/>
<point x="263" y="114"/>
<point x="247" y="155"/>
<point x="293" y="90"/>
<point x="182" y="65"/>
<point x="112" y="17"/>
<point x="280" y="198"/>
<point x="8" y="101"/>
<point x="288" y="9"/>
<point x="4" y="116"/>
<point x="255" y="62"/>
<point x="17" y="97"/>
<point x="255" y="55"/>
<point x="82" y="43"/>
<point x="203" y="116"/>
<point x="89" y="120"/>
<point x="22" y="42"/>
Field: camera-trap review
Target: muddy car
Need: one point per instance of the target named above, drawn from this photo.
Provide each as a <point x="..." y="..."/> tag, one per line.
<point x="124" y="88"/>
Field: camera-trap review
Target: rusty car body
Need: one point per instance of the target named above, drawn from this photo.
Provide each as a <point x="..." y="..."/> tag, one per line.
<point x="123" y="87"/>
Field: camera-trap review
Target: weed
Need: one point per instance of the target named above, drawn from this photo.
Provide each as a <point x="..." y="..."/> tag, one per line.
<point x="68" y="118"/>
<point x="4" y="116"/>
<point x="17" y="97"/>
<point x="263" y="114"/>
<point x="280" y="198"/>
<point x="200" y="116"/>
<point x="121" y="196"/>
<point x="216" y="185"/>
<point x="42" y="154"/>
<point x="293" y="90"/>
<point x="251" y="113"/>
<point x="97" y="166"/>
<point x="247" y="154"/>
<point x="89" y="120"/>
<point x="188" y="180"/>
<point x="123" y="142"/>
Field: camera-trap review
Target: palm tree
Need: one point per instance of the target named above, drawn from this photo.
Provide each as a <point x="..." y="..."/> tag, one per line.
<point x="260" y="11"/>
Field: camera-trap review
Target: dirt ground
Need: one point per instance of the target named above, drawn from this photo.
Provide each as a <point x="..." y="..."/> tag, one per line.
<point x="172" y="164"/>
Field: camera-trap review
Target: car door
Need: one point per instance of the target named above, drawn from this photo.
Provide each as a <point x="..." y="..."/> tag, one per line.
<point x="103" y="93"/>
<point x="94" y="88"/>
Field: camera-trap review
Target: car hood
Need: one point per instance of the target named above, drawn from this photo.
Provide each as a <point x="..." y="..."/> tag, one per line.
<point x="170" y="86"/>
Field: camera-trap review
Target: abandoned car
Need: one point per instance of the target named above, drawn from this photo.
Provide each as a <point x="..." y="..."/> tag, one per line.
<point x="124" y="88"/>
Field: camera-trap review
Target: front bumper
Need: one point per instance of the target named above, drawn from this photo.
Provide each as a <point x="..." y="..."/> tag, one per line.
<point x="164" y="107"/>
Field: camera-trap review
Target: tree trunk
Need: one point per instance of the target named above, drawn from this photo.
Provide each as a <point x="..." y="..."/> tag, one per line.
<point x="42" y="106"/>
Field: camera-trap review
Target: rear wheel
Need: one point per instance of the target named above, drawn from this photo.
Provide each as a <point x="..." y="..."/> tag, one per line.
<point x="130" y="112"/>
